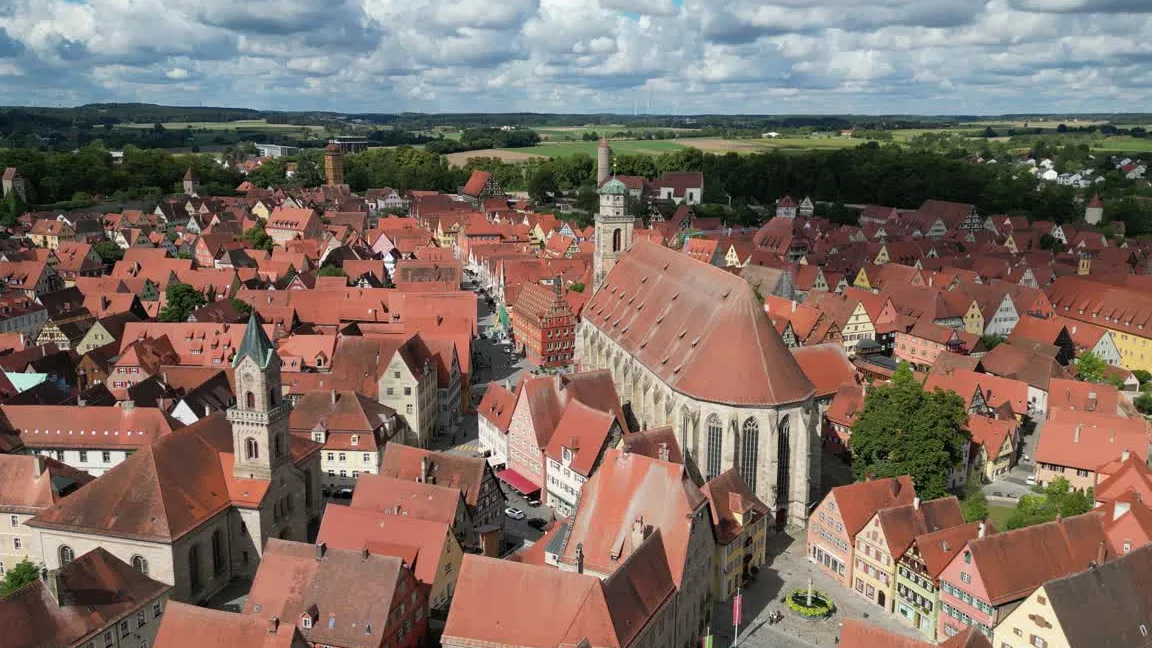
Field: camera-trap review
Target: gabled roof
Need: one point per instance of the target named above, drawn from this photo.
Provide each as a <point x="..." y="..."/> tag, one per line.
<point x="420" y="500"/>
<point x="902" y="524"/>
<point x="938" y="548"/>
<point x="657" y="443"/>
<point x="827" y="366"/>
<point x="1086" y="440"/>
<point x="420" y="542"/>
<point x="497" y="406"/>
<point x="166" y="489"/>
<point x="858" y="502"/>
<point x="1106" y="605"/>
<point x="1013" y="564"/>
<point x="352" y="595"/>
<point x="476" y="182"/>
<point x="29" y="483"/>
<point x="734" y="506"/>
<point x="92" y="593"/>
<point x="857" y="633"/>
<point x="676" y="317"/>
<point x="191" y="626"/>
<point x="1128" y="477"/>
<point x="455" y="471"/>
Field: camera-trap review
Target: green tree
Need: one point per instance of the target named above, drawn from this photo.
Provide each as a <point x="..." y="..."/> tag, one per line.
<point x="331" y="271"/>
<point x="21" y="574"/>
<point x="1090" y="367"/>
<point x="241" y="306"/>
<point x="992" y="340"/>
<point x="1058" y="499"/>
<point x="1143" y="403"/>
<point x="109" y="252"/>
<point x="905" y="430"/>
<point x="542" y="186"/>
<point x="975" y="506"/>
<point x="11" y="209"/>
<point x="587" y="200"/>
<point x="257" y="237"/>
<point x="1142" y="375"/>
<point x="180" y="300"/>
<point x="577" y="287"/>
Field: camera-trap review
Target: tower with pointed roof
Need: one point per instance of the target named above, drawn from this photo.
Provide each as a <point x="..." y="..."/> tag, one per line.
<point x="613" y="229"/>
<point x="260" y="417"/>
<point x="191" y="182"/>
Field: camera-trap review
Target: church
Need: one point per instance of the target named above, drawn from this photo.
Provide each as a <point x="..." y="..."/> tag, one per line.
<point x="195" y="508"/>
<point x="689" y="345"/>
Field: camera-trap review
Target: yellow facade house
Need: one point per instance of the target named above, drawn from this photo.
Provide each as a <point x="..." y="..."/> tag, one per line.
<point x="1105" y="605"/>
<point x="1125" y="312"/>
<point x="740" y="522"/>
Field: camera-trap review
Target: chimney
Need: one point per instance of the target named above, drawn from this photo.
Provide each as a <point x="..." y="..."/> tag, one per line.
<point x="638" y="534"/>
<point x="1120" y="508"/>
<point x="1091" y="401"/>
<point x="38" y="465"/>
<point x="663" y="451"/>
<point x="579" y="557"/>
<point x="915" y="503"/>
<point x="207" y="410"/>
<point x="80" y="402"/>
<point x="333" y="396"/>
<point x="51" y="580"/>
<point x="1076" y="434"/>
<point x="1124" y="455"/>
<point x="128" y="405"/>
<point x="980" y="531"/>
<point x="793" y="305"/>
<point x="320" y="549"/>
<point x="1112" y="435"/>
<point x="364" y="553"/>
<point x="1101" y="553"/>
<point x="423" y="476"/>
<point x="273" y="625"/>
<point x="988" y="398"/>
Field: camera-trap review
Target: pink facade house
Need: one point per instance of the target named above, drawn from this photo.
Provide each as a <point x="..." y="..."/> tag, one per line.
<point x="833" y="526"/>
<point x="993" y="574"/>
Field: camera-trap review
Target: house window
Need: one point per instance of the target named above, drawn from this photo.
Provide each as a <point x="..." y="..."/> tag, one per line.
<point x="342" y="457"/>
<point x="366" y="457"/>
<point x="155" y="610"/>
<point x="408" y="409"/>
<point x="140" y="564"/>
<point x="83" y="456"/>
<point x="407" y="391"/>
<point x="16" y="544"/>
<point x="715" y="441"/>
<point x="66" y="555"/>
<point x="965" y="577"/>
<point x="396" y="374"/>
<point x="106" y="457"/>
<point x="15" y="521"/>
<point x="390" y="391"/>
<point x="1037" y="642"/>
<point x="217" y="552"/>
<point x="251" y="448"/>
<point x="123" y="629"/>
<point x="355" y="439"/>
<point x="749" y="451"/>
<point x="306" y="622"/>
<point x="141" y="619"/>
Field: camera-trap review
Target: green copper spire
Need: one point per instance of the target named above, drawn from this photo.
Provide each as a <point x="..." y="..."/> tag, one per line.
<point x="613" y="187"/>
<point x="255" y="344"/>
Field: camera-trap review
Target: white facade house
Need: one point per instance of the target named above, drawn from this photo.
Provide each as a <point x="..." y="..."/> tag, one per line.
<point x="1004" y="319"/>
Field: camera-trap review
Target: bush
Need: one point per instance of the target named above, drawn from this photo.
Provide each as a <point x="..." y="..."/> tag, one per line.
<point x="822" y="605"/>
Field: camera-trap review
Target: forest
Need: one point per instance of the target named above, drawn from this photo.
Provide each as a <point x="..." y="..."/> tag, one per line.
<point x="886" y="174"/>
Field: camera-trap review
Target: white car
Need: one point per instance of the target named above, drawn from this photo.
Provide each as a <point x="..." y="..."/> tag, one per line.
<point x="515" y="513"/>
<point x="1031" y="481"/>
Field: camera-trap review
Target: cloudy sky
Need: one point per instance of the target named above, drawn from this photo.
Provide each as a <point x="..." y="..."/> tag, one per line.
<point x="661" y="56"/>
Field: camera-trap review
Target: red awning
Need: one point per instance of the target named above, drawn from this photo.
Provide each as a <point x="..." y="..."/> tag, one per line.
<point x="521" y="483"/>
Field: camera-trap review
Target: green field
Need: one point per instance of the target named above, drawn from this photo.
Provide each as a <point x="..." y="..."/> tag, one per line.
<point x="1124" y="144"/>
<point x="243" y="124"/>
<point x="998" y="515"/>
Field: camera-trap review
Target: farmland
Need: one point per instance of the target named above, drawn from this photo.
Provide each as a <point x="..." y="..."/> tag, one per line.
<point x="242" y="124"/>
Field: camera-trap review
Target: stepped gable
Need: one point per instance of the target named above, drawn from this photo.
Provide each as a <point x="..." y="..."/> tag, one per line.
<point x="700" y="329"/>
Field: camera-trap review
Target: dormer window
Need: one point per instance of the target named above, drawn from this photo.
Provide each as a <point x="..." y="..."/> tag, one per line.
<point x="355" y="439"/>
<point x="567" y="454"/>
<point x="306" y="622"/>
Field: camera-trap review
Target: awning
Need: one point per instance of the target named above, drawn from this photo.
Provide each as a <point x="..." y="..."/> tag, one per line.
<point x="522" y="484"/>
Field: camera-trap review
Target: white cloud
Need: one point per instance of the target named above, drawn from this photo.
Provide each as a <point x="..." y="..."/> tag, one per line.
<point x="831" y="56"/>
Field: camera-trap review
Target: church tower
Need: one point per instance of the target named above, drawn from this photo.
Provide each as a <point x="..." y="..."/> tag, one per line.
<point x="334" y="165"/>
<point x="613" y="229"/>
<point x="260" y="417"/>
<point x="191" y="182"/>
<point x="603" y="162"/>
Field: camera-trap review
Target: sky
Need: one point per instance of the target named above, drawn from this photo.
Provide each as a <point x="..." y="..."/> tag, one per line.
<point x="584" y="56"/>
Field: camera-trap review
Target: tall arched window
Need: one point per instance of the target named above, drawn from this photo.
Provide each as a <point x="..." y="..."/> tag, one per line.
<point x="715" y="444"/>
<point x="194" y="568"/>
<point x="685" y="422"/>
<point x="251" y="448"/>
<point x="784" y="457"/>
<point x="250" y="400"/>
<point x="278" y="446"/>
<point x="617" y="237"/>
<point x="217" y="551"/>
<point x="749" y="451"/>
<point x="66" y="555"/>
<point x="140" y="564"/>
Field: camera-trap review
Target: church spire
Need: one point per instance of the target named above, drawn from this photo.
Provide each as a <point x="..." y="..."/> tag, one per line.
<point x="255" y="344"/>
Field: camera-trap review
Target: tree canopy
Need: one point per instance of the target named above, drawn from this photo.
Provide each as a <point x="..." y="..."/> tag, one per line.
<point x="905" y="430"/>
<point x="1057" y="499"/>
<point x="257" y="237"/>
<point x="18" y="576"/>
<point x="109" y="252"/>
<point x="1090" y="367"/>
<point x="180" y="300"/>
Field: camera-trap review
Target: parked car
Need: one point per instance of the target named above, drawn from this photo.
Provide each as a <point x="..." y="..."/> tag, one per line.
<point x="343" y="493"/>
<point x="515" y="513"/>
<point x="533" y="502"/>
<point x="537" y="523"/>
<point x="1031" y="481"/>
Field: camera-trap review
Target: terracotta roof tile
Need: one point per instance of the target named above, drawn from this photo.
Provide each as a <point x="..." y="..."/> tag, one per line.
<point x="32" y="483"/>
<point x="860" y="501"/>
<point x="420" y="542"/>
<point x="456" y="471"/>
<point x="676" y="316"/>
<point x="402" y="497"/>
<point x="1086" y="440"/>
<point x="938" y="548"/>
<point x="827" y="367"/>
<point x="189" y="626"/>
<point x="93" y="592"/>
<point x="857" y="633"/>
<point x="902" y="524"/>
<point x="733" y="505"/>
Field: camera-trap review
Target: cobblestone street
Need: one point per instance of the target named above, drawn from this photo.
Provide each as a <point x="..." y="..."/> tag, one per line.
<point x="789" y="570"/>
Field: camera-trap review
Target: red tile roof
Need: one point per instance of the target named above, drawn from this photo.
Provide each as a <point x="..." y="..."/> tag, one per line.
<point x="827" y="367"/>
<point x="73" y="426"/>
<point x="857" y="633"/>
<point x="734" y="506"/>
<point x="93" y="592"/>
<point x="1126" y="477"/>
<point x="476" y="183"/>
<point x="32" y="483"/>
<point x="583" y="431"/>
<point x="190" y="626"/>
<point x="420" y="500"/>
<point x="497" y="406"/>
<point x="1078" y="395"/>
<point x="463" y="473"/>
<point x="1087" y="440"/>
<point x="860" y="501"/>
<point x="676" y="317"/>
<point x="166" y="489"/>
<point x="902" y="524"/>
<point x="352" y="596"/>
<point x="420" y="542"/>
<point x="938" y="548"/>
